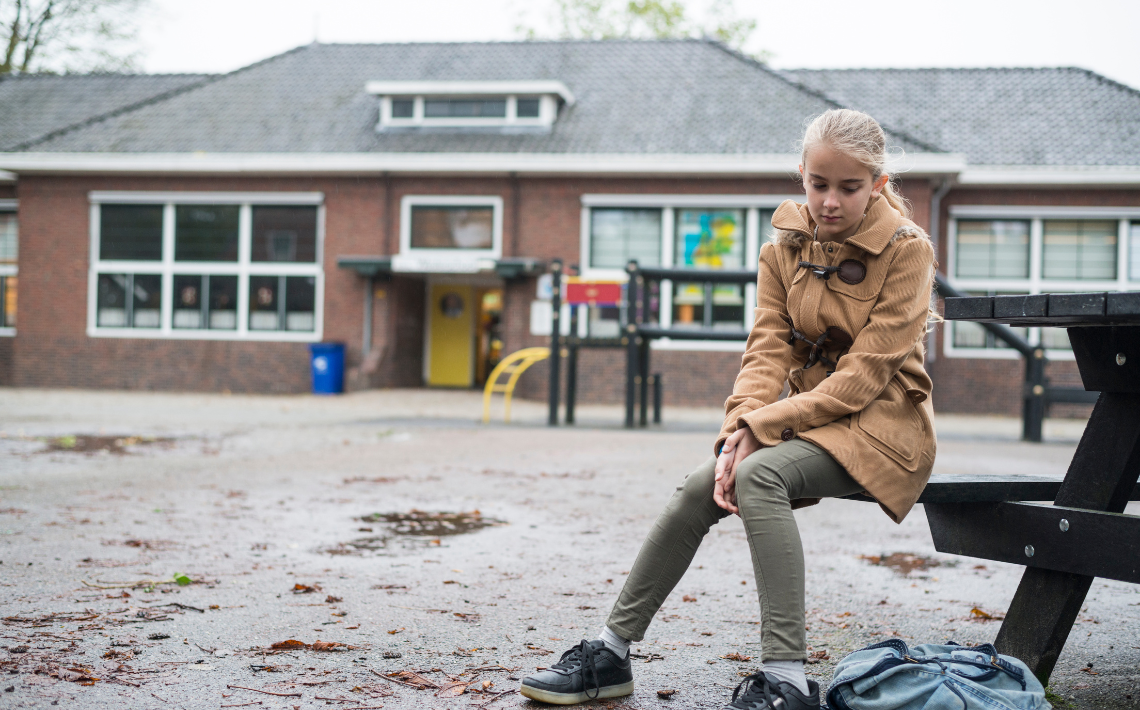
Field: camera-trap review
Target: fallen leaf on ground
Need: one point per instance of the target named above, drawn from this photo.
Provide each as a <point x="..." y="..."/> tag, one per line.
<point x="818" y="656"/>
<point x="688" y="598"/>
<point x="413" y="679"/>
<point x="977" y="613"/>
<point x="289" y="645"/>
<point x="330" y="599"/>
<point x="396" y="631"/>
<point x="1089" y="670"/>
<point x="665" y="693"/>
<point x="452" y="689"/>
<point x="76" y="675"/>
<point x="306" y="588"/>
<point x="734" y="656"/>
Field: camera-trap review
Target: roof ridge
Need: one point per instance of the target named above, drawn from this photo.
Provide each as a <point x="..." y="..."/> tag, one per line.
<point x="775" y="73"/>
<point x="206" y="80"/>
<point x="556" y="40"/>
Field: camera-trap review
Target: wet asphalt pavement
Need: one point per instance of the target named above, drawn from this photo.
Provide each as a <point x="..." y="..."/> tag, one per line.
<point x="306" y="519"/>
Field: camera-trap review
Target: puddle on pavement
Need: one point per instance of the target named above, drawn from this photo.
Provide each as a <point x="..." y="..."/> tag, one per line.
<point x="902" y="562"/>
<point x="416" y="529"/>
<point x="421" y="523"/>
<point x="91" y="444"/>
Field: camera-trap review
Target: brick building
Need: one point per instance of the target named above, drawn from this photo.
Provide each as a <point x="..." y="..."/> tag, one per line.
<point x="196" y="232"/>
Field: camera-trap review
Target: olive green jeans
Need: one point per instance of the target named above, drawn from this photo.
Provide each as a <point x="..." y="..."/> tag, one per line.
<point x="766" y="483"/>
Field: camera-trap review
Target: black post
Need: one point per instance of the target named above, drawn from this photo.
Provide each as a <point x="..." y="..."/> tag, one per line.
<point x="643" y="381"/>
<point x="631" y="342"/>
<point x="643" y="354"/>
<point x="572" y="365"/>
<point x="555" y="335"/>
<point x="657" y="398"/>
<point x="1033" y="402"/>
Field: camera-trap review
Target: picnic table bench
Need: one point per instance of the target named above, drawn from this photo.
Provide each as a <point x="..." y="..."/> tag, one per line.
<point x="1084" y="532"/>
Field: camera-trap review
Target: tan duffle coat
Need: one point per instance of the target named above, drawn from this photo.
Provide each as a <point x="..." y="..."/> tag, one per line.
<point x="866" y="398"/>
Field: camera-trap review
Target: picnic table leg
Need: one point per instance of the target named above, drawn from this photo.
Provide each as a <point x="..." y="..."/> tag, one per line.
<point x="1101" y="476"/>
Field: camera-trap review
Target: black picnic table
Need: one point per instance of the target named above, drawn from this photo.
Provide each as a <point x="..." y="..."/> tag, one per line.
<point x="1084" y="533"/>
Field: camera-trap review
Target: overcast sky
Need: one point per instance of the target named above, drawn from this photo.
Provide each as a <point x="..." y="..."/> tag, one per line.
<point x="1102" y="35"/>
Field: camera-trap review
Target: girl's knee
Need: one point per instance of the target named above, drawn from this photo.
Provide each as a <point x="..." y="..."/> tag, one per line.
<point x="759" y="477"/>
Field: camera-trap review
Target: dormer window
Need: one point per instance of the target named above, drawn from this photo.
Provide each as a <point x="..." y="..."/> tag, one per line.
<point x="498" y="106"/>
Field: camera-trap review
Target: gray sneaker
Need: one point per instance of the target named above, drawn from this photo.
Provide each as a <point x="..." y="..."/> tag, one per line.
<point x="763" y="692"/>
<point x="588" y="671"/>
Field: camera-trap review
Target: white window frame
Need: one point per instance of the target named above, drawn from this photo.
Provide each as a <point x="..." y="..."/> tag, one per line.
<point x="669" y="204"/>
<point x="1035" y="283"/>
<point x="549" y="94"/>
<point x="11" y="206"/>
<point x="422" y="260"/>
<point x="243" y="268"/>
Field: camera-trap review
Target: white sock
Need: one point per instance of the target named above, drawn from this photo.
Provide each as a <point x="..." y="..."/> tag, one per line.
<point x="790" y="672"/>
<point x="616" y="643"/>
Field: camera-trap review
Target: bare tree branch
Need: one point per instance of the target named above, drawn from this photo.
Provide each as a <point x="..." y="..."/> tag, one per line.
<point x="68" y="35"/>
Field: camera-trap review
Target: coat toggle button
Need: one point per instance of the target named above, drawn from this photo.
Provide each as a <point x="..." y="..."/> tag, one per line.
<point x="788" y="434"/>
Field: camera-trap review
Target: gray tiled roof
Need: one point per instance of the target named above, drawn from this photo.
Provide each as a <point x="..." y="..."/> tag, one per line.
<point x="632" y="97"/>
<point x="1059" y="116"/>
<point x="33" y="106"/>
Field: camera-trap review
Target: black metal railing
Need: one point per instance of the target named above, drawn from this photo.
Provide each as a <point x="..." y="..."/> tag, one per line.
<point x="1037" y="394"/>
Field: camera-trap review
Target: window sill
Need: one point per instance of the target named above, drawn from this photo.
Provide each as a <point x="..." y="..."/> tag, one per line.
<point x="157" y="334"/>
<point x="7" y="332"/>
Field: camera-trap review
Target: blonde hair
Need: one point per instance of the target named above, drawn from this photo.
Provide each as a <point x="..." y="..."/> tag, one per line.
<point x="857" y="135"/>
<point x="860" y="137"/>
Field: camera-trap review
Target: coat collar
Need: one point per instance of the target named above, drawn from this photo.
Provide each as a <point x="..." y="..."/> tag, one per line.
<point x="874" y="234"/>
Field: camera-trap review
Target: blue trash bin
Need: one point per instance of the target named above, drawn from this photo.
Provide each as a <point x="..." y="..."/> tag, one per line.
<point x="327" y="364"/>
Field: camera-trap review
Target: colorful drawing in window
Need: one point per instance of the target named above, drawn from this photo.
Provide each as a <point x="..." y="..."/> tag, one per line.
<point x="709" y="239"/>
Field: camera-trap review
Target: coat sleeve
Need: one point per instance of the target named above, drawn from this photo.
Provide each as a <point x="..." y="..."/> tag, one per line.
<point x="767" y="357"/>
<point x="896" y="324"/>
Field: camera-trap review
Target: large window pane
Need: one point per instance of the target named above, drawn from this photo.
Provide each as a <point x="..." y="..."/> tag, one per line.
<point x="993" y="249"/>
<point x="1080" y="249"/>
<point x="619" y="235"/>
<point x="205" y="302"/>
<point x="446" y="227"/>
<point x="8" y="301"/>
<point x="284" y="234"/>
<point x="1134" y="251"/>
<point x="264" y="298"/>
<point x="206" y="232"/>
<point x="709" y="239"/>
<point x="300" y="303"/>
<point x="465" y="108"/>
<point x="130" y="232"/>
<point x="129" y="301"/>
<point x="526" y="108"/>
<point x="9" y="238"/>
<point x="282" y="303"/>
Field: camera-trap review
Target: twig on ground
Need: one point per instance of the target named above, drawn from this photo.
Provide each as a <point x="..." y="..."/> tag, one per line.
<point x="127" y="585"/>
<point x="494" y="697"/>
<point x="267" y="692"/>
<point x="180" y="606"/>
<point x="339" y="700"/>
<point x="241" y="705"/>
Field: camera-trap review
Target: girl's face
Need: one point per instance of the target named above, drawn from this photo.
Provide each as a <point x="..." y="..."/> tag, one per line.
<point x="838" y="191"/>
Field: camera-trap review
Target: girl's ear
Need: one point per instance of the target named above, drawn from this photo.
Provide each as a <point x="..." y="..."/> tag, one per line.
<point x="879" y="185"/>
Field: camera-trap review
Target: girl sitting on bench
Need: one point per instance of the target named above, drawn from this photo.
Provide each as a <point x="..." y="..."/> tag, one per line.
<point x="843" y="302"/>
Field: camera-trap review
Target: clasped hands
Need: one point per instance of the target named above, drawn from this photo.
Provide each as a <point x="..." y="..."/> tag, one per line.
<point x="737" y="447"/>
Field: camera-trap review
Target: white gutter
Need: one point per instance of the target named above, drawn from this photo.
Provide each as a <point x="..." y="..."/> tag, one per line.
<point x="442" y="163"/>
<point x="1050" y="175"/>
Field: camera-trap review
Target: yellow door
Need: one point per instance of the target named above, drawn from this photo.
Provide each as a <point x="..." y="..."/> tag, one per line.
<point x="451" y="331"/>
